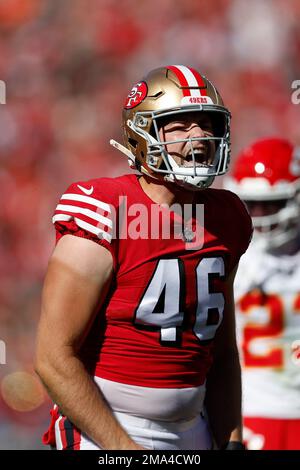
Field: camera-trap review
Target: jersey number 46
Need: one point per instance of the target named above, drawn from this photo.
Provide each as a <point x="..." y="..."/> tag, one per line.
<point x="162" y="305"/>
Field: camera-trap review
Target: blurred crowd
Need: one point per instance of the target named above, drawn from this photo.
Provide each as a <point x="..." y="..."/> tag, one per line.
<point x="68" y="66"/>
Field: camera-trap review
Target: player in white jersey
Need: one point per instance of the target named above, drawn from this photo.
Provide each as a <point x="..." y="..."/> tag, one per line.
<point x="266" y="175"/>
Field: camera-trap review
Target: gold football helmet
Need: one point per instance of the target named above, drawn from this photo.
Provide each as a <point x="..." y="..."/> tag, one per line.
<point x="163" y="93"/>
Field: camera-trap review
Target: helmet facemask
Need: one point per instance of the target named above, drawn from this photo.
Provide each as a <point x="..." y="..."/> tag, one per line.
<point x="274" y="230"/>
<point x="194" y="175"/>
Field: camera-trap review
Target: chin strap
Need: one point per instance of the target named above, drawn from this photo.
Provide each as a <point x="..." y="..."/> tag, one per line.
<point x="121" y="148"/>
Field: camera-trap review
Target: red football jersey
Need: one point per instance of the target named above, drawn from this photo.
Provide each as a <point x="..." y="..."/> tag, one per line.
<point x="166" y="301"/>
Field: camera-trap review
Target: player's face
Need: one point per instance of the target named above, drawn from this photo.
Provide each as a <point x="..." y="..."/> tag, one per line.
<point x="186" y="126"/>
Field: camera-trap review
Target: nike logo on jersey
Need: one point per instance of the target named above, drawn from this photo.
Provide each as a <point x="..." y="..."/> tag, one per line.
<point x="86" y="190"/>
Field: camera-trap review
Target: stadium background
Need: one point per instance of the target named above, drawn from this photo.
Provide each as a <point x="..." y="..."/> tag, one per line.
<point x="68" y="66"/>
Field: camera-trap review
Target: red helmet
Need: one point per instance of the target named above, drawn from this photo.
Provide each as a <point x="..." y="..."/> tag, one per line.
<point x="268" y="173"/>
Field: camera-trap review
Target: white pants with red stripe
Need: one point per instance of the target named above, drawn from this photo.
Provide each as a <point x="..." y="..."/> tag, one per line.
<point x="155" y="435"/>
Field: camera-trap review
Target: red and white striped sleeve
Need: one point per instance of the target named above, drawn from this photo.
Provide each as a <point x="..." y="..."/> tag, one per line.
<point x="86" y="211"/>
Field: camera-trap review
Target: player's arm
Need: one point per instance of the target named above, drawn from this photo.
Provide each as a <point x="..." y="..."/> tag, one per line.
<point x="223" y="397"/>
<point x="76" y="283"/>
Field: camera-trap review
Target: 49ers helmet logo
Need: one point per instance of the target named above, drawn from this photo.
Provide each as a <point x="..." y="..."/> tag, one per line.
<point x="137" y="95"/>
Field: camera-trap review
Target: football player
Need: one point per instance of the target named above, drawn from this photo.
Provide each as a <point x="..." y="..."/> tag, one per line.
<point x="266" y="175"/>
<point x="137" y="334"/>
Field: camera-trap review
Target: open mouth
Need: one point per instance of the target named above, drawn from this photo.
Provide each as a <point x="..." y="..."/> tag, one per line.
<point x="201" y="159"/>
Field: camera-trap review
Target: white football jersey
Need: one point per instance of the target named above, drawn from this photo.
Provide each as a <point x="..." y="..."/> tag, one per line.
<point x="267" y="295"/>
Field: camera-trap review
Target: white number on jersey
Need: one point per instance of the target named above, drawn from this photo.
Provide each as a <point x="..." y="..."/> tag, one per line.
<point x="210" y="304"/>
<point x="162" y="305"/>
